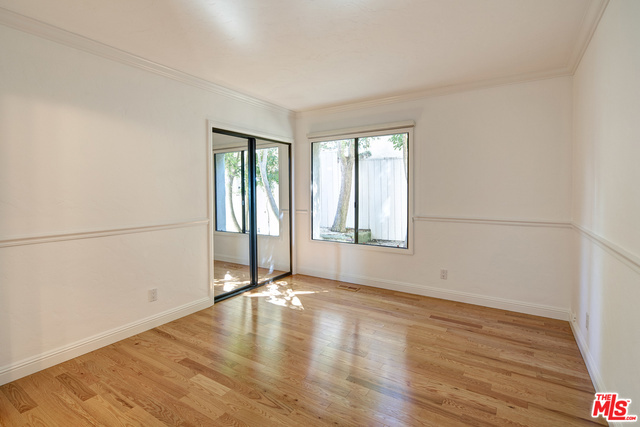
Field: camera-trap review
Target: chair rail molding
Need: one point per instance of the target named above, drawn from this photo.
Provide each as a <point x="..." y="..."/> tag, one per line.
<point x="92" y="234"/>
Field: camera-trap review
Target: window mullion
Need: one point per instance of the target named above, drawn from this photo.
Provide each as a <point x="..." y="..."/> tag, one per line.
<point x="357" y="190"/>
<point x="243" y="192"/>
<point x="379" y="168"/>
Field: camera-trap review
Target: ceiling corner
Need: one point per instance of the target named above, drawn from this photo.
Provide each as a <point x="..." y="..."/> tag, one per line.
<point x="590" y="22"/>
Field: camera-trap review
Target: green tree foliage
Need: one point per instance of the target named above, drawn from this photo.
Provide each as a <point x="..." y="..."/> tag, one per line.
<point x="267" y="172"/>
<point x="400" y="142"/>
<point x="346" y="159"/>
<point x="233" y="168"/>
<point x="268" y="169"/>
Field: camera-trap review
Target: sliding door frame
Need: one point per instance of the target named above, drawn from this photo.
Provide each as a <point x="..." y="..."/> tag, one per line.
<point x="253" y="218"/>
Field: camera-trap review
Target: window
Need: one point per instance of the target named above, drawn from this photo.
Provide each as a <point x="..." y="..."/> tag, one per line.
<point x="232" y="191"/>
<point x="360" y="189"/>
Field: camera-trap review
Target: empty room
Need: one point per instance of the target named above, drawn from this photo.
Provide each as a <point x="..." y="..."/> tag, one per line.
<point x="305" y="212"/>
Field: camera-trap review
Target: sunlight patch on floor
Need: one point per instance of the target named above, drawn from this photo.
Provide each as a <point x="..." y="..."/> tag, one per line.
<point x="282" y="294"/>
<point x="230" y="282"/>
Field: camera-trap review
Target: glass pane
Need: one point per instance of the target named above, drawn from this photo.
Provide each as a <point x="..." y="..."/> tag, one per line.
<point x="229" y="192"/>
<point x="383" y="190"/>
<point x="245" y="188"/>
<point x="272" y="209"/>
<point x="268" y="190"/>
<point x="333" y="190"/>
<point x="231" y="249"/>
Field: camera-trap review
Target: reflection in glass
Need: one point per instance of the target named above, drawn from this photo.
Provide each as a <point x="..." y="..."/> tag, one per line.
<point x="229" y="203"/>
<point x="231" y="243"/>
<point x="268" y="190"/>
<point x="232" y="237"/>
<point x="272" y="209"/>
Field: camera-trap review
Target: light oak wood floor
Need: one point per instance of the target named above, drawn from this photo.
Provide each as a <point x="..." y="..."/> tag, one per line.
<point x="229" y="276"/>
<point x="304" y="352"/>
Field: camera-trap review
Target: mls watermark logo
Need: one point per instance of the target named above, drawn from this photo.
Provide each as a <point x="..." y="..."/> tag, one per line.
<point x="612" y="408"/>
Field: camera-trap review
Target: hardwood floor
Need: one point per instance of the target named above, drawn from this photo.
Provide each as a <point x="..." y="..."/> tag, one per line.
<point x="303" y="352"/>
<point x="229" y="276"/>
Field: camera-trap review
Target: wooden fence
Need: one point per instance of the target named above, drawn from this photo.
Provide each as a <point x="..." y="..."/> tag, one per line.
<point x="383" y="195"/>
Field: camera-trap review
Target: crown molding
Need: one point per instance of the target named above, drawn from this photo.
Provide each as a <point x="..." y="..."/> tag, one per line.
<point x="588" y="26"/>
<point x="50" y="32"/>
<point x="437" y="91"/>
<point x="590" y="22"/>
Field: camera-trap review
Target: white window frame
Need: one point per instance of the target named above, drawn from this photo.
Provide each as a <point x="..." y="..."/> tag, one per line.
<point x="362" y="132"/>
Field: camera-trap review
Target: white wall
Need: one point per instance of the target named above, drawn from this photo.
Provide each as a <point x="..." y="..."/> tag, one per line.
<point x="103" y="195"/>
<point x="492" y="198"/>
<point x="606" y="201"/>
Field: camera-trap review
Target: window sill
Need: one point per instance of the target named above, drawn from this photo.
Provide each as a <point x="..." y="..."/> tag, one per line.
<point x="358" y="247"/>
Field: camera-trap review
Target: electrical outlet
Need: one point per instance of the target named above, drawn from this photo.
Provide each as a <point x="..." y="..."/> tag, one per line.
<point x="587" y="322"/>
<point x="443" y="274"/>
<point x="153" y="294"/>
<point x="574" y="318"/>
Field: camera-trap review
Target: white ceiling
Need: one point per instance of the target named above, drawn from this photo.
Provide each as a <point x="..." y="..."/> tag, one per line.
<point x="306" y="54"/>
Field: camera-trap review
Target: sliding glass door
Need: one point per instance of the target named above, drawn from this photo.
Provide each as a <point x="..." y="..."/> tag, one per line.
<point x="272" y="209"/>
<point x="252" y="237"/>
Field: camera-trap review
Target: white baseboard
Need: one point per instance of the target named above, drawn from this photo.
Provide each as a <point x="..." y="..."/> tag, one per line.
<point x="428" y="291"/>
<point x="32" y="365"/>
<point x="594" y="372"/>
<point x="233" y="259"/>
